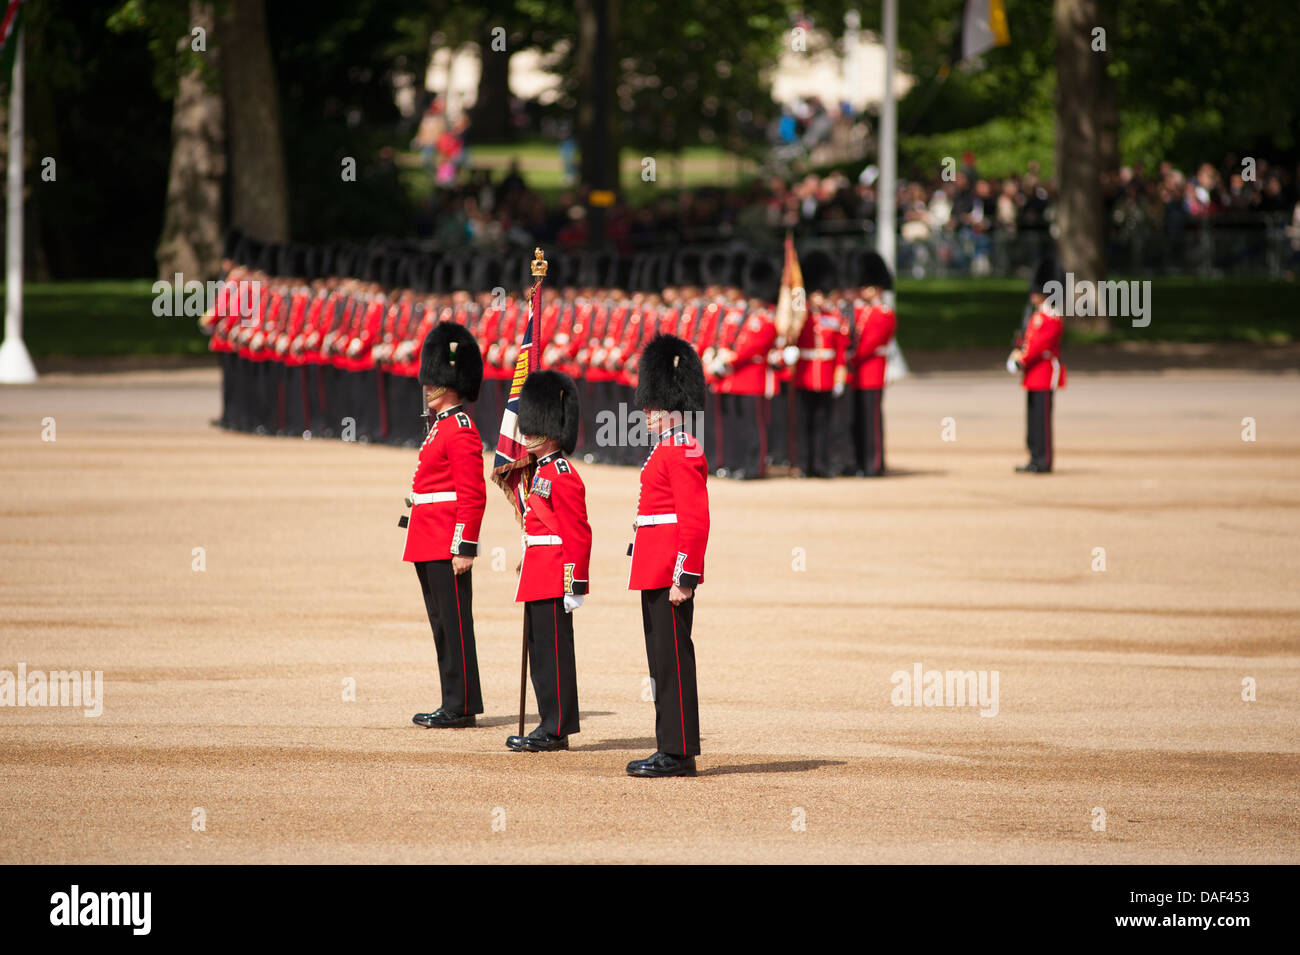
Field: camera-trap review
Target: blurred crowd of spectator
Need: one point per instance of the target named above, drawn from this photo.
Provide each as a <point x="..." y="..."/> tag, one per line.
<point x="955" y="218"/>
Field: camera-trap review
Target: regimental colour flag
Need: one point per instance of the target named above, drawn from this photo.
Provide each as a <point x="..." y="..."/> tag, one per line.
<point x="512" y="469"/>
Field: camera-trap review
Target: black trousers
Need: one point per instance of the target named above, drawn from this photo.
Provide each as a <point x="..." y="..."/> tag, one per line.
<point x="405" y="421"/>
<point x="780" y="425"/>
<point x="600" y="395"/>
<point x="449" y="600"/>
<point x="228" y="390"/>
<point x="815" y="432"/>
<point x="364" y="397"/>
<point x="1039" y="431"/>
<point x="552" y="665"/>
<point x="671" y="655"/>
<point x="869" y="432"/>
<point x="318" y="397"/>
<point x="840" y="445"/>
<point x="745" y="420"/>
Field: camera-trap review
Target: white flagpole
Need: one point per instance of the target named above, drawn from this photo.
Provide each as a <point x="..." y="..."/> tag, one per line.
<point x="886" y="201"/>
<point x="16" y="366"/>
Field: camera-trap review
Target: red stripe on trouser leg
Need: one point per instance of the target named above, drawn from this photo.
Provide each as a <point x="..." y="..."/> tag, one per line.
<point x="681" y="703"/>
<point x="718" y="450"/>
<point x="877" y="460"/>
<point x="460" y="629"/>
<point x="555" y="628"/>
<point x="1047" y="427"/>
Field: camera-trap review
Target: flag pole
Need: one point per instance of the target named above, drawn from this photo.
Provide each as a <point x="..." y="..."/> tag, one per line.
<point x="16" y="366"/>
<point x="538" y="267"/>
<point x="886" y="241"/>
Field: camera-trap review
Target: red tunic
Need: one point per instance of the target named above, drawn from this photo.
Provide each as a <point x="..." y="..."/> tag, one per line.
<point x="672" y="524"/>
<point x="451" y="469"/>
<point x="1043" y="369"/>
<point x="875" y="327"/>
<point x="823" y="348"/>
<point x="557" y="549"/>
<point x="751" y="373"/>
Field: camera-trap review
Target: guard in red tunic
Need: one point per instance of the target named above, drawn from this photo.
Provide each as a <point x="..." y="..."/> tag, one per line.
<point x="672" y="531"/>
<point x="819" y="378"/>
<point x="1037" y="356"/>
<point x="447" y="497"/>
<point x="874" y="325"/>
<point x="746" y="383"/>
<point x="553" y="575"/>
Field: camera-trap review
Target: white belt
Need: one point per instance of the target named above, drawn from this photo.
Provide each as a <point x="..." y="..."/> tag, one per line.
<point x="816" y="354"/>
<point x="536" y="540"/>
<point x="433" y="497"/>
<point x="645" y="520"/>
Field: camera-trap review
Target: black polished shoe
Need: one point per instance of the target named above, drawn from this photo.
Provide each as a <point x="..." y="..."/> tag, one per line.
<point x="1032" y="468"/>
<point x="441" y="719"/>
<point x="662" y="764"/>
<point x="538" y="742"/>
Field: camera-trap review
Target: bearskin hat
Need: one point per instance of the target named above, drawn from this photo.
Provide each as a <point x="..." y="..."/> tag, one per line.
<point x="670" y="376"/>
<point x="821" y="273"/>
<point x="450" y="359"/>
<point x="548" y="407"/>
<point x="1047" y="270"/>
<point x="762" y="277"/>
<point x="870" y="269"/>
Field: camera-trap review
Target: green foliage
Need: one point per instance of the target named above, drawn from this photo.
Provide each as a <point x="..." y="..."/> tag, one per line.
<point x="167" y="26"/>
<point x="1217" y="75"/>
<point x="692" y="72"/>
<point x="93" y="105"/>
<point x="1003" y="145"/>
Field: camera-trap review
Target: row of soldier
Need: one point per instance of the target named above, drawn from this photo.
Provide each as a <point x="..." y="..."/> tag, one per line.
<point x="340" y="356"/>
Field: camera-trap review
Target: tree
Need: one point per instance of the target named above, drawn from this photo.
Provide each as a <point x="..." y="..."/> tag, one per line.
<point x="191" y="241"/>
<point x="490" y="115"/>
<point x="1079" y="123"/>
<point x="595" y="72"/>
<point x="259" y="197"/>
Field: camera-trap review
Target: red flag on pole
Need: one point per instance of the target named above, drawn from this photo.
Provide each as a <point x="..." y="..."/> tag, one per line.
<point x="511" y="469"/>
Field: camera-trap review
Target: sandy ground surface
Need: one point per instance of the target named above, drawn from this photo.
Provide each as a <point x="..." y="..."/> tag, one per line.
<point x="1119" y="690"/>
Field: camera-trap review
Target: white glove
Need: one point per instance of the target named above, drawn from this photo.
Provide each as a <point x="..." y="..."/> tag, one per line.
<point x="790" y="354"/>
<point x="838" y="390"/>
<point x="572" y="602"/>
<point x="1011" y="365"/>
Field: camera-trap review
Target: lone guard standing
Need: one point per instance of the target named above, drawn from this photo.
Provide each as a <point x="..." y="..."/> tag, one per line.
<point x="553" y="576"/>
<point x="1037" y="356"/>
<point x="672" y="531"/>
<point x="448" y="494"/>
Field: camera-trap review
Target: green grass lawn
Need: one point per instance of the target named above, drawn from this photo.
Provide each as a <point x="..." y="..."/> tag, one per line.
<point x="103" y="318"/>
<point x="543" y="169"/>
<point x="116" y="318"/>
<point x="960" y="313"/>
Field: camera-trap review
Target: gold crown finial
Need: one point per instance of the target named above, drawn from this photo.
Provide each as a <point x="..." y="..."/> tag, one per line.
<point x="539" y="263"/>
